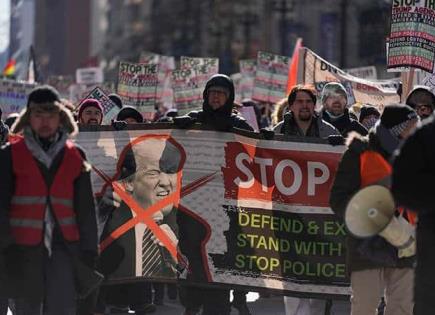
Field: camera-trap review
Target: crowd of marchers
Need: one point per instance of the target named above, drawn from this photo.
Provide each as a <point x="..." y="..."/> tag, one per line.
<point x="50" y="228"/>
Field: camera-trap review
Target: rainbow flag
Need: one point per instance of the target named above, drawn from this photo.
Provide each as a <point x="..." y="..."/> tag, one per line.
<point x="9" y="69"/>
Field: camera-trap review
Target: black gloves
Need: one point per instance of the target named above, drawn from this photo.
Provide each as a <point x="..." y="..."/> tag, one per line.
<point x="183" y="122"/>
<point x="119" y="124"/>
<point x="336" y="140"/>
<point x="267" y="133"/>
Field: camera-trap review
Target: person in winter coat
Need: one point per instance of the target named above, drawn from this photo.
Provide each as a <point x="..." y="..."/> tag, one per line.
<point x="301" y="119"/>
<point x="413" y="182"/>
<point x="334" y="101"/>
<point x="373" y="263"/>
<point x="48" y="232"/>
<point x="217" y="113"/>
<point x="422" y="100"/>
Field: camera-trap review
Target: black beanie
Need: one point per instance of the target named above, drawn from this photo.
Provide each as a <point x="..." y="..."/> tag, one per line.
<point x="367" y="111"/>
<point x="115" y="98"/>
<point x="129" y="112"/>
<point x="396" y="118"/>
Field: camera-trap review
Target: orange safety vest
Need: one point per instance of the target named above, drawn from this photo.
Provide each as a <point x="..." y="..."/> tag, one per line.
<point x="31" y="195"/>
<point x="374" y="169"/>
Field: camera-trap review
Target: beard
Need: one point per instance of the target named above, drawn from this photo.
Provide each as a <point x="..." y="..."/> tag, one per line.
<point x="305" y="116"/>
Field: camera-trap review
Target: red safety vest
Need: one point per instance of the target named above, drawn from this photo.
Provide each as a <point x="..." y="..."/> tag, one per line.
<point x="374" y="169"/>
<point x="32" y="195"/>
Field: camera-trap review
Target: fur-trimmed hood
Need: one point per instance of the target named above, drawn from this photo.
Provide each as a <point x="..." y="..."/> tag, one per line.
<point x="66" y="120"/>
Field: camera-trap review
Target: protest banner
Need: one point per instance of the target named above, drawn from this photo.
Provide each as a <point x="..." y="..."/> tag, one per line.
<point x="88" y="76"/>
<point x="137" y="85"/>
<point x="412" y="35"/>
<point x="13" y="96"/>
<point x="270" y="83"/>
<point x="258" y="208"/>
<point x="368" y="73"/>
<point x="317" y="72"/>
<point x="188" y="85"/>
<point x="237" y="78"/>
<point x="110" y="109"/>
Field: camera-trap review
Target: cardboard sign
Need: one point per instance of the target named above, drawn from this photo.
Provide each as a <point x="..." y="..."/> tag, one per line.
<point x="88" y="76"/>
<point x="412" y="35"/>
<point x="137" y="86"/>
<point x="270" y="83"/>
<point x="13" y="96"/>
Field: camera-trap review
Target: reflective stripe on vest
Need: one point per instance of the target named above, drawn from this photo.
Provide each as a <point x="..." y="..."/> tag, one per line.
<point x="374" y="169"/>
<point x="31" y="195"/>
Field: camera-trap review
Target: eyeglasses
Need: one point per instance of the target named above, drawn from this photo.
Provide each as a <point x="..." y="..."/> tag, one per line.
<point x="421" y="108"/>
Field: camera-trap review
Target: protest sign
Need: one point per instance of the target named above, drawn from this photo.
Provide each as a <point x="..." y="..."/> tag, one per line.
<point x="110" y="109"/>
<point x="13" y="96"/>
<point x="412" y="36"/>
<point x="188" y="85"/>
<point x="137" y="84"/>
<point x="270" y="83"/>
<point x="248" y="67"/>
<point x="258" y="208"/>
<point x="164" y="92"/>
<point x="191" y="62"/>
<point x="237" y="78"/>
<point x="88" y="76"/>
<point x="317" y="72"/>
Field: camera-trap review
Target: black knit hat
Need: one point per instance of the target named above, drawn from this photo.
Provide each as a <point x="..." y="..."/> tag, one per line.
<point x="397" y="118"/>
<point x="367" y="111"/>
<point x="115" y="98"/>
<point x="129" y="112"/>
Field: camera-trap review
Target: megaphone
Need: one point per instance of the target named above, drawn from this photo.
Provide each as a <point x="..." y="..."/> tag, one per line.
<point x="371" y="212"/>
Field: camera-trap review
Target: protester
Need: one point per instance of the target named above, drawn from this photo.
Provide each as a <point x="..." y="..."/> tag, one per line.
<point x="130" y="115"/>
<point x="368" y="116"/>
<point x="115" y="98"/>
<point x="413" y="180"/>
<point x="48" y="227"/>
<point x="4" y="130"/>
<point x="335" y="101"/>
<point x="301" y="120"/>
<point x="217" y="113"/>
<point x="90" y="112"/>
<point x="373" y="263"/>
<point x="422" y="100"/>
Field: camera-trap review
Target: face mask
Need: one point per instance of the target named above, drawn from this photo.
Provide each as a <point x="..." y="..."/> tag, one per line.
<point x="369" y="123"/>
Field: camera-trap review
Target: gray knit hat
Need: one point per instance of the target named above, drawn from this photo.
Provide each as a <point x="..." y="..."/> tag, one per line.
<point x="333" y="89"/>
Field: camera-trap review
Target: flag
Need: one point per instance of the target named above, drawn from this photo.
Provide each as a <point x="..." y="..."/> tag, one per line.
<point x="9" y="69"/>
<point x="293" y="69"/>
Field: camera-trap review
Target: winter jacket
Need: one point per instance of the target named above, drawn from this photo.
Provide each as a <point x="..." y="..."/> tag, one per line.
<point x="374" y="252"/>
<point x="345" y="124"/>
<point x="318" y="128"/>
<point x="23" y="265"/>
<point x="413" y="186"/>
<point x="223" y="118"/>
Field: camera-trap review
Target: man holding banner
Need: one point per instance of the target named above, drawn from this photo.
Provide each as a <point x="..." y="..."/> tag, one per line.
<point x="217" y="112"/>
